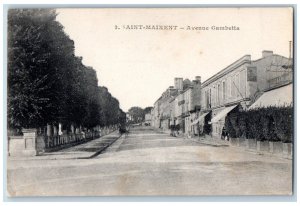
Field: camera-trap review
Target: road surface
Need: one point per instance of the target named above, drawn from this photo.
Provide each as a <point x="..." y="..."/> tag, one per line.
<point x="148" y="162"/>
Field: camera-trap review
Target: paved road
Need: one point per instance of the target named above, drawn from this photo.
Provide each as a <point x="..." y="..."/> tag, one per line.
<point x="148" y="162"/>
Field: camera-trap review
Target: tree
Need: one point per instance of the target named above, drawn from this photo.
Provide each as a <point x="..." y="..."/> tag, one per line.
<point x="137" y="114"/>
<point x="109" y="108"/>
<point x="147" y="110"/>
<point x="47" y="83"/>
<point x="31" y="86"/>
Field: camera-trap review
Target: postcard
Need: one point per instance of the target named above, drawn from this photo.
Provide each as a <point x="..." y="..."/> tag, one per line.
<point x="150" y="101"/>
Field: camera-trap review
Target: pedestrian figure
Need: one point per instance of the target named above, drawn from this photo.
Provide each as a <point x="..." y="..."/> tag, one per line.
<point x="200" y="129"/>
<point x="126" y="131"/>
<point x="122" y="130"/>
<point x="224" y="134"/>
<point x="173" y="130"/>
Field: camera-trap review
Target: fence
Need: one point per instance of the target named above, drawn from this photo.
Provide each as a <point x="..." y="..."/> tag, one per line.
<point x="268" y="130"/>
<point x="34" y="142"/>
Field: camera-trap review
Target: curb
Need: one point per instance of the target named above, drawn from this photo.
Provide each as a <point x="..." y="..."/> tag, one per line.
<point x="72" y="144"/>
<point x="209" y="143"/>
<point x="262" y="153"/>
<point x="82" y="157"/>
<point x="101" y="150"/>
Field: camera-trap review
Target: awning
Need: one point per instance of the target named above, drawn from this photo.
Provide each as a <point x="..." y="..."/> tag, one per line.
<point x="282" y="96"/>
<point x="200" y="118"/>
<point x="222" y="114"/>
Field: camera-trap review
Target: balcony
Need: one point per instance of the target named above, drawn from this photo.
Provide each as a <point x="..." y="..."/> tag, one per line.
<point x="285" y="78"/>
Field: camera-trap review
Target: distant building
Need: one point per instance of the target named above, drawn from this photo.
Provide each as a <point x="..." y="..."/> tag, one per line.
<point x="186" y="104"/>
<point x="163" y="108"/>
<point x="155" y="114"/>
<point x="129" y="117"/>
<point x="148" y="119"/>
<point x="152" y="117"/>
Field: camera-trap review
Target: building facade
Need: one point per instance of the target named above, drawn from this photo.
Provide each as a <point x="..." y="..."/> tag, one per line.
<point x="163" y="109"/>
<point x="198" y="108"/>
<point x="155" y="114"/>
<point x="148" y="119"/>
<point x="239" y="84"/>
<point x="185" y="105"/>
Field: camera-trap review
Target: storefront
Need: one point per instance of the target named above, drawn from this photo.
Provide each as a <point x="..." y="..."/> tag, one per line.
<point x="218" y="120"/>
<point x="197" y="127"/>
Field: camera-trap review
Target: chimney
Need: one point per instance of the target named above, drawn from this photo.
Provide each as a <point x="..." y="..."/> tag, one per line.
<point x="266" y="53"/>
<point x="178" y="82"/>
<point x="198" y="79"/>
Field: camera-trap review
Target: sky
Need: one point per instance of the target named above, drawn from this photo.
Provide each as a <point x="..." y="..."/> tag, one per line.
<point x="138" y="65"/>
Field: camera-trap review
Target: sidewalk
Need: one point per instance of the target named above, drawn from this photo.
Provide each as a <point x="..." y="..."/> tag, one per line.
<point x="203" y="139"/>
<point x="82" y="151"/>
<point x="211" y="141"/>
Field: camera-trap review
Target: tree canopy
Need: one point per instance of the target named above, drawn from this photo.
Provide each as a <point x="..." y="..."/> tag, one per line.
<point x="138" y="113"/>
<point x="47" y="83"/>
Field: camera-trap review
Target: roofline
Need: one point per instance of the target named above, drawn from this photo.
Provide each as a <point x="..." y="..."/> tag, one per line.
<point x="243" y="60"/>
<point x="269" y="56"/>
<point x="277" y="87"/>
<point x="228" y="69"/>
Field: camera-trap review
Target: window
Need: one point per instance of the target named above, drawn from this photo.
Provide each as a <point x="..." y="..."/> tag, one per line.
<point x="233" y="87"/>
<point x="237" y="85"/>
<point x="214" y="96"/>
<point x="209" y="98"/>
<point x="224" y="91"/>
<point x="252" y="74"/>
<point x="229" y="86"/>
<point x="219" y="94"/>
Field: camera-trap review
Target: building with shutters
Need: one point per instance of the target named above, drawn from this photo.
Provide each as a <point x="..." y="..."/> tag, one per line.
<point x="186" y="105"/>
<point x="162" y="108"/>
<point x="239" y="85"/>
<point x="177" y="104"/>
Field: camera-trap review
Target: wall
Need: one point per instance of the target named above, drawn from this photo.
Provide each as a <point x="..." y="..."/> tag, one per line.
<point x="148" y="118"/>
<point x="229" y="86"/>
<point x="186" y="107"/>
<point x="155" y="116"/>
<point x="196" y="96"/>
<point x="172" y="111"/>
<point x="165" y="113"/>
<point x="152" y="117"/>
<point x="268" y="68"/>
<point x="16" y="146"/>
<point x="178" y="105"/>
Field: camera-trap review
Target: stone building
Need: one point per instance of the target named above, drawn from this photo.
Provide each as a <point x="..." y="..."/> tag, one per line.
<point x="240" y="84"/>
<point x="155" y="114"/>
<point x="152" y="117"/>
<point x="195" y="106"/>
<point x="147" y="119"/>
<point x="186" y="104"/>
<point x="163" y="108"/>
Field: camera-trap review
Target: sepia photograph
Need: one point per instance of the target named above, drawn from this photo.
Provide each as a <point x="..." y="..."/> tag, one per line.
<point x="172" y="101"/>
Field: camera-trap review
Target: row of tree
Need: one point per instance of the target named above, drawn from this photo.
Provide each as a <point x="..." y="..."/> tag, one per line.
<point x="47" y="83"/>
<point x="138" y="114"/>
